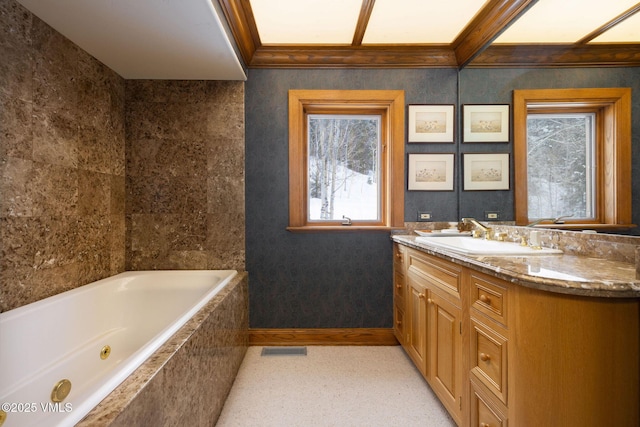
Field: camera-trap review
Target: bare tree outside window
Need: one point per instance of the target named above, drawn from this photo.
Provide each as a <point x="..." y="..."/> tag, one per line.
<point x="560" y="165"/>
<point x="343" y="167"/>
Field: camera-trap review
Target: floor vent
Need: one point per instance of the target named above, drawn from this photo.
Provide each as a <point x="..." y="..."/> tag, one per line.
<point x="284" y="351"/>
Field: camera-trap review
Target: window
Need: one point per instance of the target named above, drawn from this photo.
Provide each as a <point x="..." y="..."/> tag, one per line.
<point x="343" y="167"/>
<point x="561" y="177"/>
<point x="346" y="160"/>
<point x="573" y="156"/>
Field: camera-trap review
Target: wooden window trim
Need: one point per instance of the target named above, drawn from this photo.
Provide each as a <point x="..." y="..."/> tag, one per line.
<point x="388" y="103"/>
<point x="613" y="150"/>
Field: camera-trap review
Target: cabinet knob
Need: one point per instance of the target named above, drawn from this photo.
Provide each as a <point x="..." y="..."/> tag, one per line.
<point x="398" y="322"/>
<point x="429" y="301"/>
<point x="485" y="298"/>
<point x="420" y="295"/>
<point x="484" y="425"/>
<point x="399" y="285"/>
<point x="399" y="255"/>
<point x="484" y="357"/>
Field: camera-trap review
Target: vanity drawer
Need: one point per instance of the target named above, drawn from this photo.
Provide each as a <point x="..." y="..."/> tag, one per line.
<point x="442" y="274"/>
<point x="489" y="297"/>
<point x="399" y="287"/>
<point x="398" y="323"/>
<point x="488" y="357"/>
<point x="484" y="411"/>
<point x="398" y="258"/>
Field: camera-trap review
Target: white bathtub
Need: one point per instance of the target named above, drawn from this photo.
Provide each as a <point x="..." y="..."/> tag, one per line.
<point x="62" y="337"/>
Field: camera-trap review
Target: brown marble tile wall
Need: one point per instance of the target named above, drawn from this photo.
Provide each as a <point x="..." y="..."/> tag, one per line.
<point x="62" y="151"/>
<point x="185" y="174"/>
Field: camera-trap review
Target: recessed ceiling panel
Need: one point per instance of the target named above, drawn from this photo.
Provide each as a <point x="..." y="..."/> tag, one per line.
<point x="628" y="31"/>
<point x="306" y="21"/>
<point x="563" y="21"/>
<point x="419" y="21"/>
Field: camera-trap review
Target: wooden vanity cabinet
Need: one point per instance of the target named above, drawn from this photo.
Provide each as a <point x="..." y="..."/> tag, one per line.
<point x="399" y="293"/>
<point x="434" y="318"/>
<point x="499" y="354"/>
<point x="544" y="358"/>
<point x="573" y="360"/>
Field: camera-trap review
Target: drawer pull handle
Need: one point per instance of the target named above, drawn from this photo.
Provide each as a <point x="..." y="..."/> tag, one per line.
<point x="484" y="357"/>
<point x="485" y="299"/>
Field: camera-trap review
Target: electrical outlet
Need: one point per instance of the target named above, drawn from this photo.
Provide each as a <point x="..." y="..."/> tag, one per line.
<point x="492" y="215"/>
<point x="424" y="216"/>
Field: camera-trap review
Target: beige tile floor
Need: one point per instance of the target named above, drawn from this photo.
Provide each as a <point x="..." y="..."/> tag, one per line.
<point x="337" y="386"/>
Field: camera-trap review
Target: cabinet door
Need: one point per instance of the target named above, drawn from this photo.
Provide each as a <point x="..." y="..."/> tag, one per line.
<point x="416" y="323"/>
<point x="445" y="353"/>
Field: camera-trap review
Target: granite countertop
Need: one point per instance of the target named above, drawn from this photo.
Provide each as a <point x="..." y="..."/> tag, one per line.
<point x="566" y="274"/>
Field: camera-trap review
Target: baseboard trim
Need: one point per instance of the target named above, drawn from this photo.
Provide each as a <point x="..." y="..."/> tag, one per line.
<point x="322" y="336"/>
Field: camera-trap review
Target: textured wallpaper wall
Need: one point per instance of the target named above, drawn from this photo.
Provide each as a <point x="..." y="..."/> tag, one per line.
<point x="344" y="280"/>
<point x="62" y="163"/>
<point x="327" y="280"/>
<point x="479" y="86"/>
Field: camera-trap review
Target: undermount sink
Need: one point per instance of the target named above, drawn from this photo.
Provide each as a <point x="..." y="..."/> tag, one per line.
<point x="470" y="246"/>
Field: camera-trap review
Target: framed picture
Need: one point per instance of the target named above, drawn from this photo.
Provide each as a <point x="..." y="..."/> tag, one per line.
<point x="431" y="172"/>
<point x="486" y="171"/>
<point x="485" y="123"/>
<point x="431" y="123"/>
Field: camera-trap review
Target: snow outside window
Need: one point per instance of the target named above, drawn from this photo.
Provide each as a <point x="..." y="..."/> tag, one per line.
<point x="343" y="167"/>
<point x="561" y="164"/>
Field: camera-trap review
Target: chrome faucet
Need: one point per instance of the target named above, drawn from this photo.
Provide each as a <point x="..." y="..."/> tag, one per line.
<point x="558" y="220"/>
<point x="487" y="230"/>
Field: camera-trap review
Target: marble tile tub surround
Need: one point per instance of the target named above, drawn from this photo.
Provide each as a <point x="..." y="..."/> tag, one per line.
<point x="185" y="175"/>
<point x="187" y="380"/>
<point x="62" y="163"/>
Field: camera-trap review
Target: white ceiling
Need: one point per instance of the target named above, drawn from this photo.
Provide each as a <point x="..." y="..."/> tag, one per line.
<point x="309" y="21"/>
<point x="414" y="22"/>
<point x="334" y="21"/>
<point x="420" y="21"/>
<point x="147" y="39"/>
